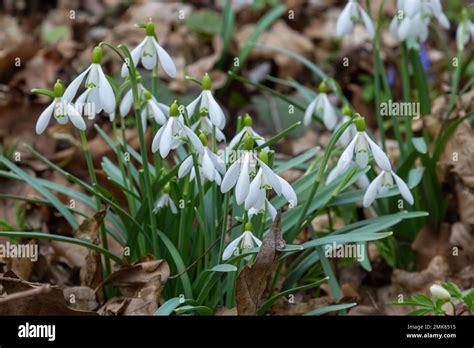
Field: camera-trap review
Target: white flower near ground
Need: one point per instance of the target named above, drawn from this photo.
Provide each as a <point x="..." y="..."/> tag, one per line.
<point x="350" y="15"/>
<point x="464" y="32"/>
<point x="246" y="129"/>
<point x="439" y="292"/>
<point x="172" y="134"/>
<point x="205" y="125"/>
<point x="382" y="183"/>
<point x="165" y="200"/>
<point x="413" y="18"/>
<point x="127" y="101"/>
<point x="238" y="175"/>
<point x="207" y="104"/>
<point x="323" y="108"/>
<point x="62" y="110"/>
<point x="246" y="241"/>
<point x="98" y="95"/>
<point x="151" y="108"/>
<point x="211" y="166"/>
<point x="149" y="52"/>
<point x="262" y="206"/>
<point x="361" y="144"/>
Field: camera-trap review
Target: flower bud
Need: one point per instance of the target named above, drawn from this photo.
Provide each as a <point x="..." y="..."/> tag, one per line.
<point x="359" y="122"/>
<point x="247" y="120"/>
<point x="346" y="110"/>
<point x="58" y="89"/>
<point x="206" y="82"/>
<point x="147" y="95"/>
<point x="97" y="55"/>
<point x="263" y="156"/>
<point x="174" y="109"/>
<point x="150" y="28"/>
<point x="248" y="143"/>
<point x="167" y="188"/>
<point x="322" y="87"/>
<point x="248" y="226"/>
<point x="439" y="292"/>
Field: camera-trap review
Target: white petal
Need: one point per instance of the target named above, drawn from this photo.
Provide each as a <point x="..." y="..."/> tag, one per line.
<point x="411" y="8"/>
<point x="172" y="206"/>
<point x="379" y="156"/>
<point x="185" y="167"/>
<point x="166" y="137"/>
<point x="308" y="114"/>
<point x="75" y="117"/>
<point x="107" y="96"/>
<point x="405" y="28"/>
<point x="157" y="139"/>
<point x="217" y="161"/>
<point x="148" y="54"/>
<point x="71" y="90"/>
<point x="230" y="178"/>
<point x="271" y="177"/>
<point x="243" y="183"/>
<point x="369" y="196"/>
<point x="165" y="60"/>
<point x="144" y="117"/>
<point x="136" y="53"/>
<point x="195" y="141"/>
<point x="44" y="118"/>
<point x="191" y="107"/>
<point x="404" y="190"/>
<point x="344" y="23"/>
<point x="215" y="112"/>
<point x="254" y="190"/>
<point x="369" y="26"/>
<point x="330" y="118"/>
<point x="288" y="192"/>
<point x="271" y="210"/>
<point x="236" y="139"/>
<point x="346" y="157"/>
<point x="207" y="166"/>
<point x="229" y="250"/>
<point x="256" y="240"/>
<point x="126" y="103"/>
<point x="158" y="115"/>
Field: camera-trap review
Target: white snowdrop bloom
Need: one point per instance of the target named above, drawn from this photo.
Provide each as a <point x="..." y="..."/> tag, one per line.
<point x="350" y="132"/>
<point x="98" y="95"/>
<point x="149" y="52"/>
<point x="324" y="109"/>
<point x="151" y="108"/>
<point x="246" y="241"/>
<point x="465" y="31"/>
<point x="382" y="183"/>
<point x="211" y="166"/>
<point x="207" y="104"/>
<point x="238" y="175"/>
<point x="165" y="200"/>
<point x="62" y="111"/>
<point x="246" y="129"/>
<point x="439" y="292"/>
<point x="172" y="133"/>
<point x="360" y="145"/>
<point x="127" y="101"/>
<point x="413" y="18"/>
<point x="205" y="125"/>
<point x="266" y="179"/>
<point x="260" y="208"/>
<point x="350" y="15"/>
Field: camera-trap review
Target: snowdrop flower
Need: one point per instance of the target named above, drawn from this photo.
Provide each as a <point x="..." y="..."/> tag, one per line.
<point x="208" y="104"/>
<point x="149" y="52"/>
<point x="350" y="15"/>
<point x="211" y="166"/>
<point x="323" y="108"/>
<point x="413" y="19"/>
<point x="98" y="94"/>
<point x="350" y="132"/>
<point x="152" y="108"/>
<point x="382" y="183"/>
<point x="440" y="293"/>
<point x="171" y="134"/>
<point x="127" y="101"/>
<point x="465" y="31"/>
<point x="246" y="241"/>
<point x="165" y="201"/>
<point x="206" y="126"/>
<point x="360" y="145"/>
<point x="62" y="111"/>
<point x="239" y="172"/>
<point x="247" y="129"/>
<point x="262" y="206"/>
<point x="266" y="179"/>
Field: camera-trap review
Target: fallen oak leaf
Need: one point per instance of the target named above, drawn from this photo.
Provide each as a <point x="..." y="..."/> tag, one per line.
<point x="253" y="281"/>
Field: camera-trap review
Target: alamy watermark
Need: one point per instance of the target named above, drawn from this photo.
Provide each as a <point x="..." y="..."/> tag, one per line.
<point x="20" y="251"/>
<point x="340" y="251"/>
<point x="400" y="109"/>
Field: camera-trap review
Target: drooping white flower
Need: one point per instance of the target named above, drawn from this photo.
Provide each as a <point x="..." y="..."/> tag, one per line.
<point x="172" y="133"/>
<point x="165" y="200"/>
<point x="323" y="108"/>
<point x="98" y="95"/>
<point x="439" y="292"/>
<point x="211" y="166"/>
<point x="151" y="108"/>
<point x="207" y="104"/>
<point x="246" y="129"/>
<point x="350" y="15"/>
<point x="127" y="101"/>
<point x="382" y="183"/>
<point x="61" y="110"/>
<point x="261" y="206"/>
<point x="465" y="31"/>
<point x="149" y="52"/>
<point x="246" y="241"/>
<point x="350" y="132"/>
<point x="360" y="145"/>
<point x="413" y="18"/>
<point x="238" y="175"/>
<point x="205" y="125"/>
